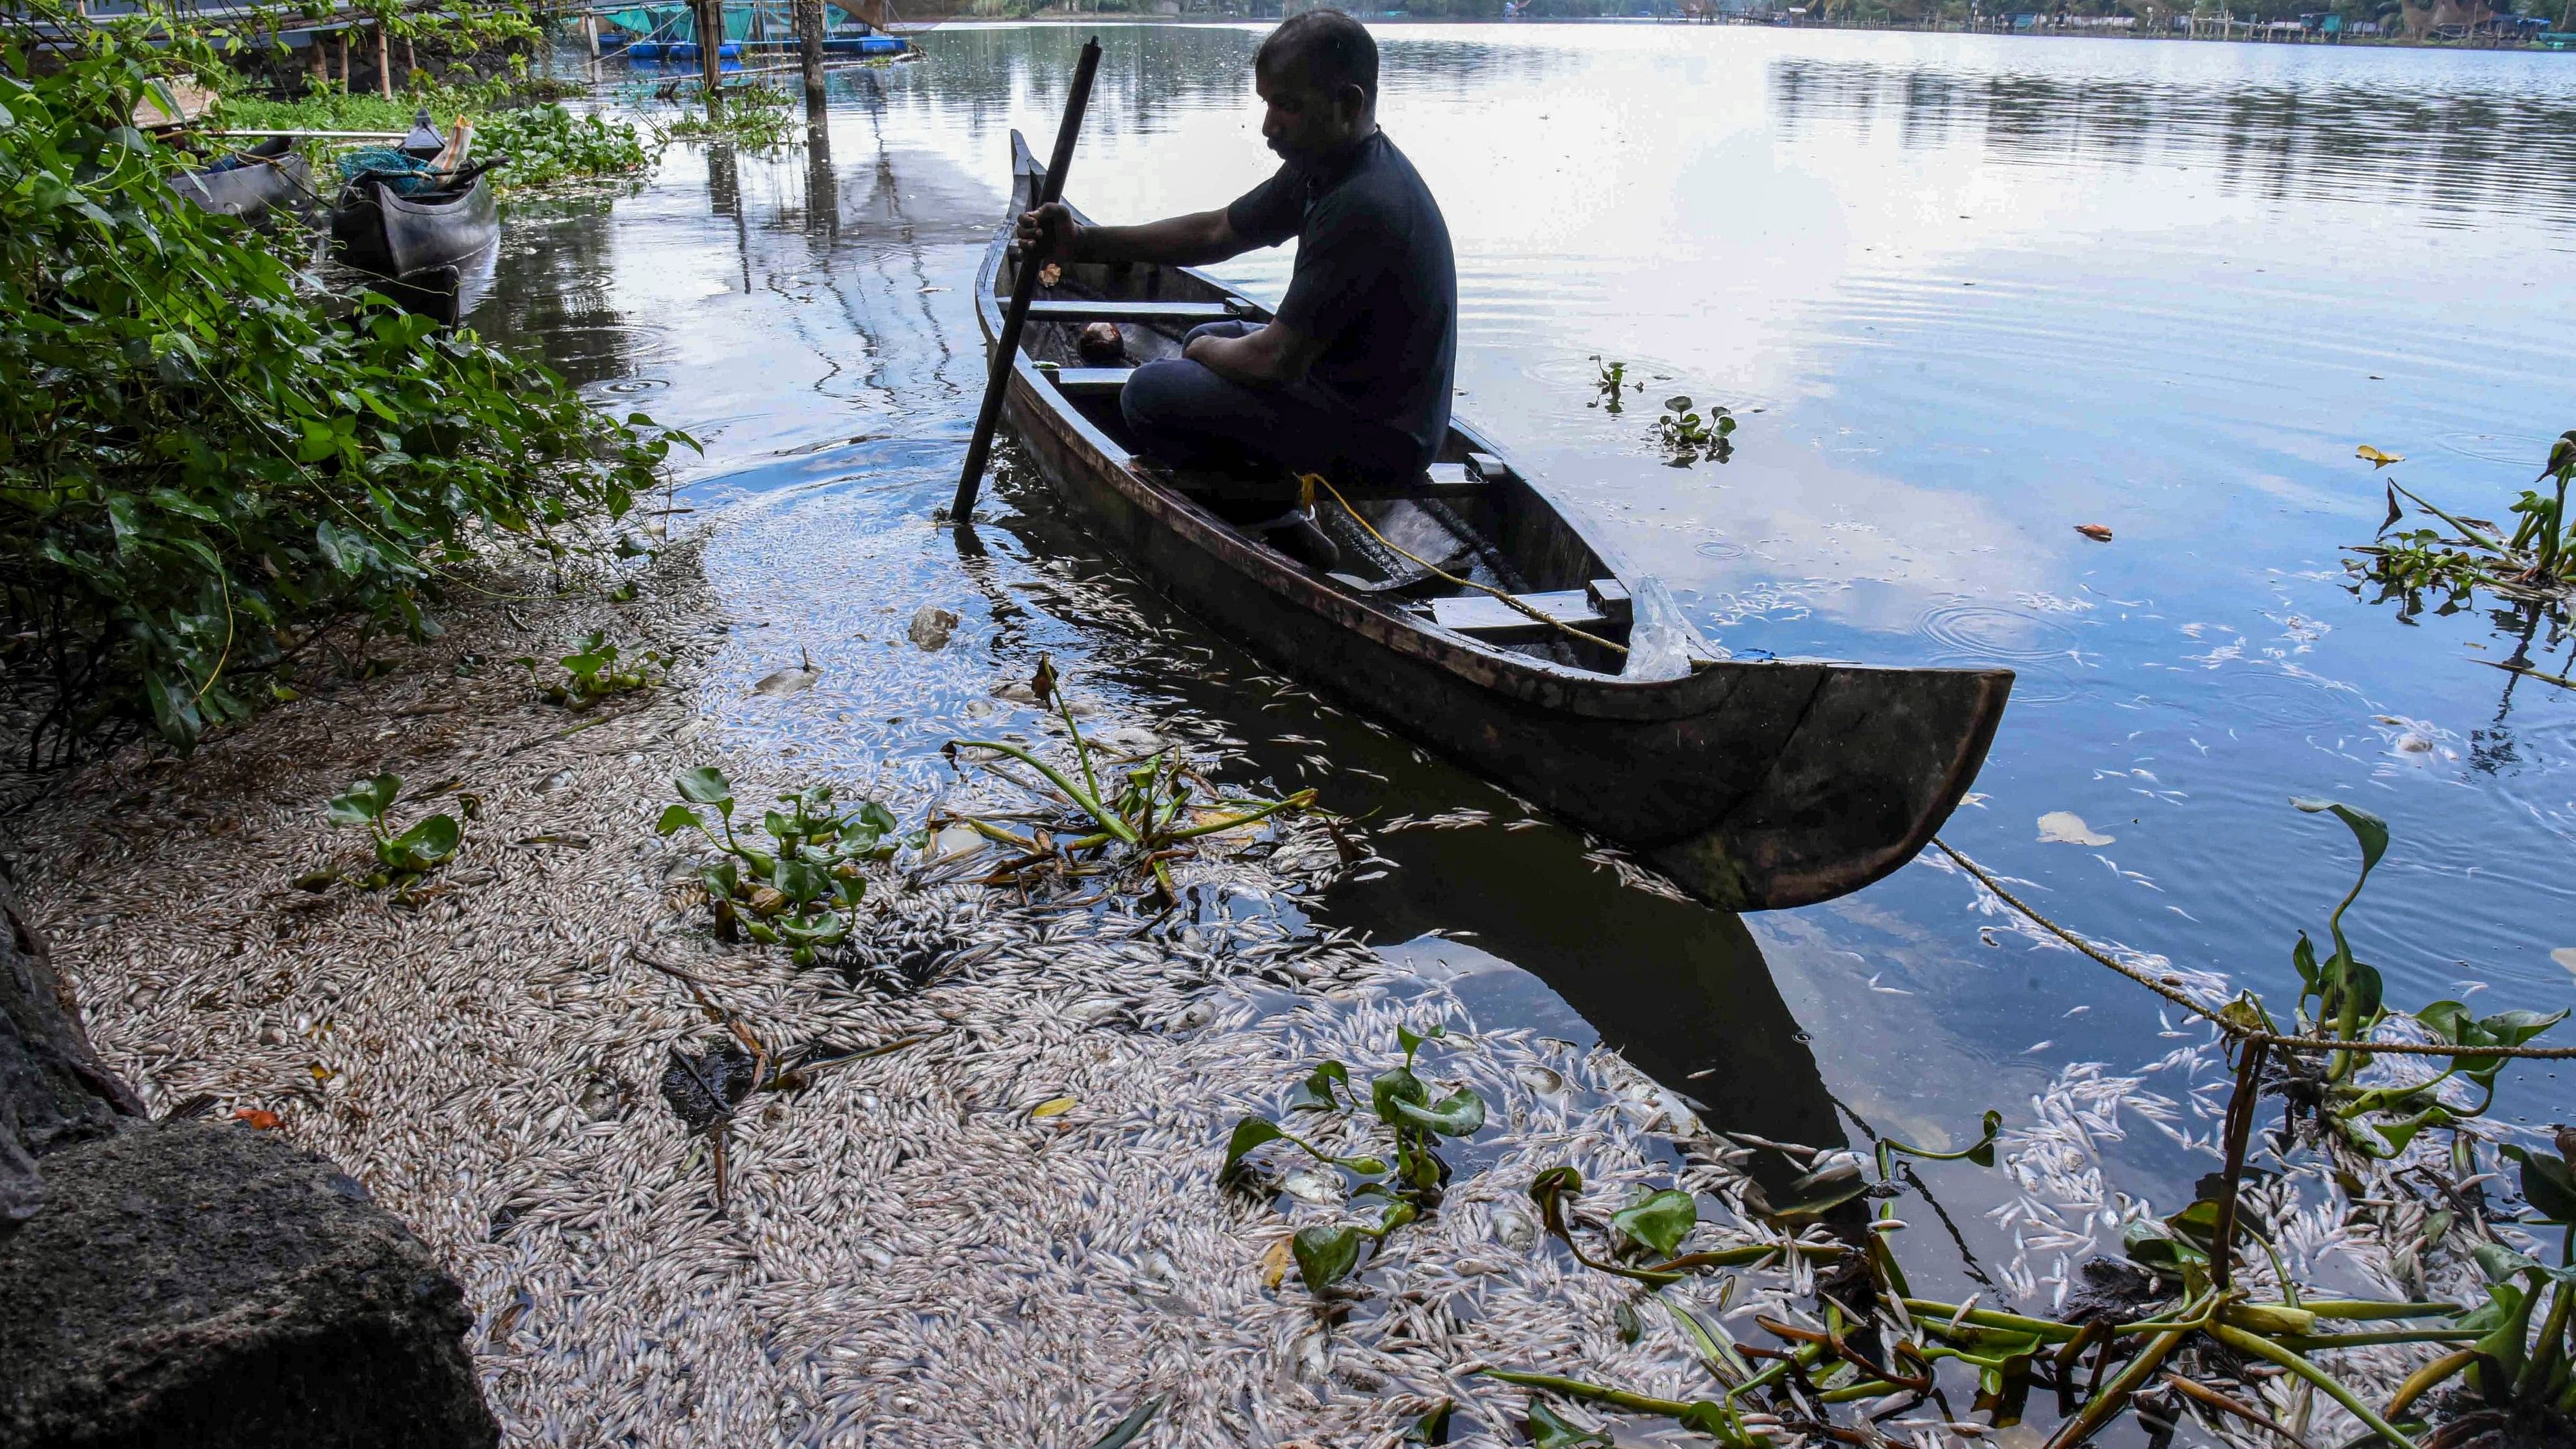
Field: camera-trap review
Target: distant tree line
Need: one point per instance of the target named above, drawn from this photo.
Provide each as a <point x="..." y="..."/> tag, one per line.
<point x="2416" y="19"/>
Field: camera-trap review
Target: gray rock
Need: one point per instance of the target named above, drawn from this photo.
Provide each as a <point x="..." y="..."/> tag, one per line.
<point x="210" y="1285"/>
<point x="54" y="1091"/>
<point x="931" y="626"/>
<point x="182" y="1283"/>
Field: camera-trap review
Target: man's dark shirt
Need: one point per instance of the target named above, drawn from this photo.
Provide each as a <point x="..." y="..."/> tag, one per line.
<point x="1374" y="283"/>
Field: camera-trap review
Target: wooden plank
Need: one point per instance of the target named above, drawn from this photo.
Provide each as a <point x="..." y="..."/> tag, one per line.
<point x="1442" y="480"/>
<point x="1083" y="310"/>
<point x="1486" y="617"/>
<point x="1093" y="381"/>
<point x="1602" y="603"/>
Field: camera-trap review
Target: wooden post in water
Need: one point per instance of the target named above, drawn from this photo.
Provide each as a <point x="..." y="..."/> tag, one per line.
<point x="809" y="49"/>
<point x="1024" y="286"/>
<point x="710" y="15"/>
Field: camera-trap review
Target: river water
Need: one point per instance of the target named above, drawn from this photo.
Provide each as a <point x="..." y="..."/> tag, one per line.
<point x="1964" y="293"/>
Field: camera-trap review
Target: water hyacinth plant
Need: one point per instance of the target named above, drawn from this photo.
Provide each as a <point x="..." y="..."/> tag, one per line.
<point x="1685" y="436"/>
<point x="401" y="857"/>
<point x="591" y="672"/>
<point x="803" y="889"/>
<point x="1404" y="1186"/>
<point x="2534" y="564"/>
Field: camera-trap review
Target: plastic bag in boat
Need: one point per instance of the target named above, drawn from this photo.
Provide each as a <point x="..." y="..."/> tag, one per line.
<point x="1661" y="640"/>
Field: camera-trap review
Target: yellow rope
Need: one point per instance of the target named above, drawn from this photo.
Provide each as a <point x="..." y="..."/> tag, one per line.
<point x="1308" y="482"/>
<point x="2295" y="1043"/>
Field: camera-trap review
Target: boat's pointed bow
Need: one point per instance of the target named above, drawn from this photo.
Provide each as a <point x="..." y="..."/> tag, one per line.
<point x="1876" y="764"/>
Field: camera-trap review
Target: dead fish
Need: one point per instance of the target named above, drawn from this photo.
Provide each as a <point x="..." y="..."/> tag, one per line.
<point x="789" y="681"/>
<point x="1541" y="1081"/>
<point x="1307" y="1185"/>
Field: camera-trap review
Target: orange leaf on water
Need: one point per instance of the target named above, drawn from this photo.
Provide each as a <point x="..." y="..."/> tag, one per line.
<point x="2094" y="531"/>
<point x="2375" y="458"/>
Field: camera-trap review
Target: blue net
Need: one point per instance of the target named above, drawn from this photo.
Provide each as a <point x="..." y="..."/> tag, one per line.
<point x="404" y="172"/>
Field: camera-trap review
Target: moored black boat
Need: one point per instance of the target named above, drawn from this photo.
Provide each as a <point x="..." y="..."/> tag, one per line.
<point x="1753" y="784"/>
<point x="377" y="229"/>
<point x="248" y="183"/>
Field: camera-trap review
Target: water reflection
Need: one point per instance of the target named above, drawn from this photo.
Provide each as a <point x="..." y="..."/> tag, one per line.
<point x="2393" y="137"/>
<point x="551" y="290"/>
<point x="1964" y="293"/>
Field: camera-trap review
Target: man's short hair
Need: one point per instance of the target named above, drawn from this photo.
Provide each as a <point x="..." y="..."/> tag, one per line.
<point x="1330" y="48"/>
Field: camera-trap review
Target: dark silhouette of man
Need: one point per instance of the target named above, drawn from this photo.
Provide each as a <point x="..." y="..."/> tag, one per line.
<point x="1353" y="379"/>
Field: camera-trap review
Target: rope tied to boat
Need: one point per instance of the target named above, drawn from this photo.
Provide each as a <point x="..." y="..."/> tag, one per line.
<point x="1307" y="483"/>
<point x="2238" y="1031"/>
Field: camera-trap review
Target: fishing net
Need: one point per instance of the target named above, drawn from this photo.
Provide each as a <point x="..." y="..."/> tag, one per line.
<point x="404" y="172"/>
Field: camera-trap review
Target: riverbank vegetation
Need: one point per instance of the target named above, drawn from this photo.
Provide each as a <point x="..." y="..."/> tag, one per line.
<point x="207" y="478"/>
<point x="2212" y="1313"/>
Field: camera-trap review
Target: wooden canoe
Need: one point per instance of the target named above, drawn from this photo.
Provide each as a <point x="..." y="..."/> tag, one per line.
<point x="376" y="229"/>
<point x="272" y="173"/>
<point x="1753" y="784"/>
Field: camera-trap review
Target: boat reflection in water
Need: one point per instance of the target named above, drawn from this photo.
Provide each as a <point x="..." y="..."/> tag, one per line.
<point x="1679" y="989"/>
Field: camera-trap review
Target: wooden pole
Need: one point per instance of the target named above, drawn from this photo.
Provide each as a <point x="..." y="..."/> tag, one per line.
<point x="710" y="15"/>
<point x="1024" y="286"/>
<point x="384" y="62"/>
<point x="317" y="64"/>
<point x="344" y="60"/>
<point x="809" y="49"/>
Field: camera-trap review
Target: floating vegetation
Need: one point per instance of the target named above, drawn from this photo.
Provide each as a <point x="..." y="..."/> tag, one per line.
<point x="2534" y="564"/>
<point x="400" y="858"/>
<point x="753" y="117"/>
<point x="1685" y="436"/>
<point x="1119" y="840"/>
<point x="802" y="892"/>
<point x="1610" y="385"/>
<point x="591" y="672"/>
<point x="1404" y="1189"/>
<point x="549" y="146"/>
<point x="2199" y="1312"/>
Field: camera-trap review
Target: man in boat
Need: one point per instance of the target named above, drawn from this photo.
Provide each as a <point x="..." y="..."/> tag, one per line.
<point x="1353" y="379"/>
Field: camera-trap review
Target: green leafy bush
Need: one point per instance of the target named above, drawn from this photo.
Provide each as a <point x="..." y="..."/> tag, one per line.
<point x="197" y="463"/>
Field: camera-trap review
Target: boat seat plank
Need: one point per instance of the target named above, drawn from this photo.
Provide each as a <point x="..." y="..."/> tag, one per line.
<point x="1440" y="480"/>
<point x="1090" y="310"/>
<point x="1483" y="616"/>
<point x="1080" y="381"/>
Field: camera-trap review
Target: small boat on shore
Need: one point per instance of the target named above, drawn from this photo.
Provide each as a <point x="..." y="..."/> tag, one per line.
<point x="248" y="183"/>
<point x="1754" y="784"/>
<point x="376" y="228"/>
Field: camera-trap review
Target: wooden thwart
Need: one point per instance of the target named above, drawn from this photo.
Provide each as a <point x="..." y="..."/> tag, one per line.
<point x="1086" y="310"/>
<point x="1483" y="616"/>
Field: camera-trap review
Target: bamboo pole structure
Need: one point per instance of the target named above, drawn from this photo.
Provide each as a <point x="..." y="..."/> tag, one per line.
<point x="809" y="49"/>
<point x="710" y="19"/>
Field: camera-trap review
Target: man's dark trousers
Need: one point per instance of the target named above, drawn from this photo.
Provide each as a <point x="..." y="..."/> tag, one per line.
<point x="1185" y="416"/>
